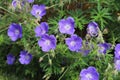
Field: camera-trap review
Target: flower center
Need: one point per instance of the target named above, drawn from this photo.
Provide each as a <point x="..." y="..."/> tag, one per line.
<point x="27" y="57"/>
<point x="67" y="27"/>
<point x="12" y="59"/>
<point x="38" y="12"/>
<point x="119" y="52"/>
<point x="43" y="31"/>
<point x="118" y="61"/>
<point x="93" y="30"/>
<point x="89" y="76"/>
<point x="72" y="43"/>
<point x="102" y="48"/>
<point x="47" y="42"/>
<point x="17" y="32"/>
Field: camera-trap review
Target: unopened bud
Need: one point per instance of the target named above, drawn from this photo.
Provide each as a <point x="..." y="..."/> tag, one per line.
<point x="105" y="31"/>
<point x="40" y="59"/>
<point x="50" y="61"/>
<point x="88" y="37"/>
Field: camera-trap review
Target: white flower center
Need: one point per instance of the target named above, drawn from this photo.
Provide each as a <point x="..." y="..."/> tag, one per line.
<point x="43" y="32"/>
<point x="72" y="43"/>
<point x="92" y="27"/>
<point x="12" y="59"/>
<point x="67" y="27"/>
<point x="47" y="42"/>
<point x="119" y="52"/>
<point x="27" y="57"/>
<point x="118" y="62"/>
<point x="17" y="32"/>
<point x="38" y="12"/>
<point x="102" y="48"/>
<point x="89" y="76"/>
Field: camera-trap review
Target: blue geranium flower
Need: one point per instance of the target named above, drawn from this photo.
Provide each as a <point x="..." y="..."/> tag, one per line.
<point x="66" y="26"/>
<point x="38" y="11"/>
<point x="25" y="57"/>
<point x="14" y="31"/>
<point x="47" y="42"/>
<point x="10" y="59"/>
<point x="41" y="29"/>
<point x="74" y="43"/>
<point x="89" y="74"/>
<point x="92" y="29"/>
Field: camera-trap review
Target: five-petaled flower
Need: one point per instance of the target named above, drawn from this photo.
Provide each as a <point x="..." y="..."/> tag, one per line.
<point x="92" y="29"/>
<point x="38" y="11"/>
<point x="10" y="59"/>
<point x="47" y="42"/>
<point x="74" y="43"/>
<point x="89" y="74"/>
<point x="41" y="29"/>
<point x="66" y="26"/>
<point x="25" y="57"/>
<point x="14" y="31"/>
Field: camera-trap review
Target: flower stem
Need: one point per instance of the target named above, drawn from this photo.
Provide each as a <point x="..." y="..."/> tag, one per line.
<point x="63" y="74"/>
<point x="3" y="30"/>
<point x="7" y="11"/>
<point x="51" y="6"/>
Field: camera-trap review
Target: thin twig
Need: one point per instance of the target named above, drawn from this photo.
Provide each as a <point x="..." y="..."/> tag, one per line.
<point x="7" y="11"/>
<point x="63" y="74"/>
<point x="51" y="6"/>
<point x="3" y="30"/>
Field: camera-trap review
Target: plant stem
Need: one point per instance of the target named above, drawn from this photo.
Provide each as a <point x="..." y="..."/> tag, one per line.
<point x="51" y="6"/>
<point x="63" y="74"/>
<point x="7" y="11"/>
<point x="3" y="30"/>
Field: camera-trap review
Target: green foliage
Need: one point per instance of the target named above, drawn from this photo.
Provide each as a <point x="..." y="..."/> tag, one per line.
<point x="80" y="18"/>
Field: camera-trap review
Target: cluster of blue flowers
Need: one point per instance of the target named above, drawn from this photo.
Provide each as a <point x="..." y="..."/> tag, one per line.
<point x="25" y="58"/>
<point x="48" y="42"/>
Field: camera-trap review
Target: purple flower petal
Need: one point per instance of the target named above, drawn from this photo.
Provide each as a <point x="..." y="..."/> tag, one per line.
<point x="103" y="47"/>
<point x="14" y="3"/>
<point x="117" y="51"/>
<point x="18" y="3"/>
<point x="117" y="64"/>
<point x="30" y="1"/>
